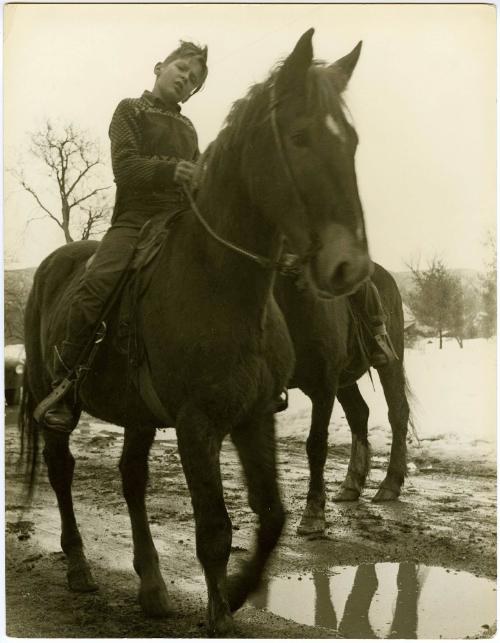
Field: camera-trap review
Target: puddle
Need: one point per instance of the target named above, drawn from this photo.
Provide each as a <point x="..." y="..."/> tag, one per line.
<point x="385" y="600"/>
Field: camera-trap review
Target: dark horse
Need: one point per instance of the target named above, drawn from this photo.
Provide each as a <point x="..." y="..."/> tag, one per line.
<point x="329" y="361"/>
<point x="218" y="346"/>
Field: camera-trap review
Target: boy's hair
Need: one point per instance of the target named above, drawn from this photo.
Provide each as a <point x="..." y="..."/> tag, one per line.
<point x="188" y="50"/>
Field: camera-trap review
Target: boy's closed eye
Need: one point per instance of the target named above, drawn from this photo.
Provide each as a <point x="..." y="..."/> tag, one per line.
<point x="193" y="79"/>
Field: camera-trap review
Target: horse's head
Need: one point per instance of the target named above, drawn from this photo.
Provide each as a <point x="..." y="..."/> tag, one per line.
<point x="307" y="179"/>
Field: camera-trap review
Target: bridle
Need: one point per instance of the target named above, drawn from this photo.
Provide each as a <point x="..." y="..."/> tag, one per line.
<point x="288" y="263"/>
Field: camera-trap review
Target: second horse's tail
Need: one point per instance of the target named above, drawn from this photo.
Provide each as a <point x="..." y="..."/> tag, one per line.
<point x="410" y="396"/>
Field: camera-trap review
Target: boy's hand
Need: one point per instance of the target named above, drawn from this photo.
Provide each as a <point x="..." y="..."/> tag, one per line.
<point x="184" y="172"/>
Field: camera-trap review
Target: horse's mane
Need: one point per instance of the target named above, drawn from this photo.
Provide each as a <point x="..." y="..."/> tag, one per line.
<point x="253" y="109"/>
<point x="245" y="114"/>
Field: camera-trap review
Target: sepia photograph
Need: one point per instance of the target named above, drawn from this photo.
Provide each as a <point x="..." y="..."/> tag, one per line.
<point x="250" y="320"/>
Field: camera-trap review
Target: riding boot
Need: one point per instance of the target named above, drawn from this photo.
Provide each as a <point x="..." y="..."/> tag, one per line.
<point x="383" y="352"/>
<point x="368" y="302"/>
<point x="62" y="416"/>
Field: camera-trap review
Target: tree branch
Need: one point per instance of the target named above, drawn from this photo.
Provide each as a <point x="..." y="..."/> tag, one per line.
<point x="87" y="196"/>
<point x="80" y="177"/>
<point x="31" y="191"/>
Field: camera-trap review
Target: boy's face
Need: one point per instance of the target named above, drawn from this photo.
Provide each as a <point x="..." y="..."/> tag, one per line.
<point x="177" y="79"/>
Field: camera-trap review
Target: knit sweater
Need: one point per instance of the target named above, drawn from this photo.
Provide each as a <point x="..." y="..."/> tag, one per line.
<point x="148" y="139"/>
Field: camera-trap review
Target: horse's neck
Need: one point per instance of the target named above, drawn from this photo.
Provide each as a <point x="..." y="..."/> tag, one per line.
<point x="234" y="219"/>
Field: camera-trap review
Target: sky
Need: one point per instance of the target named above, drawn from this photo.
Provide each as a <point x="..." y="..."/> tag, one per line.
<point x="422" y="97"/>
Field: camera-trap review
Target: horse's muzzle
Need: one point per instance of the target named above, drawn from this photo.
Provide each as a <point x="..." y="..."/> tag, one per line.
<point x="341" y="265"/>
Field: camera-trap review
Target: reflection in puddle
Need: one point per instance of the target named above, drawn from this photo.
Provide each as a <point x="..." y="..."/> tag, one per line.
<point x="385" y="600"/>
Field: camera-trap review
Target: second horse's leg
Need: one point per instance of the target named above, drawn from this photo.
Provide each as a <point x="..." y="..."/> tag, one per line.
<point x="313" y="518"/>
<point x="153" y="596"/>
<point x="393" y="381"/>
<point x="60" y="467"/>
<point x="357" y="412"/>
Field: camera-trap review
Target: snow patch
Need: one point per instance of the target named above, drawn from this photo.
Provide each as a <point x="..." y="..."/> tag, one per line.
<point x="454" y="403"/>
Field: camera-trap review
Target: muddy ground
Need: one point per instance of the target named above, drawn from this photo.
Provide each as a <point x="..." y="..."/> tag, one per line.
<point x="446" y="517"/>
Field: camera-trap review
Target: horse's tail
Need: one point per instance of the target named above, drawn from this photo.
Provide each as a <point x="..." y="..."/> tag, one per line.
<point x="29" y="430"/>
<point x="411" y="398"/>
<point x="33" y="372"/>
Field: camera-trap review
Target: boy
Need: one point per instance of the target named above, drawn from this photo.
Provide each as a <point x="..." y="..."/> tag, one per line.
<point x="153" y="152"/>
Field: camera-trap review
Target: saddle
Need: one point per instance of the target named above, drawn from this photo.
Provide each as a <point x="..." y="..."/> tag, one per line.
<point x="151" y="238"/>
<point x="128" y="338"/>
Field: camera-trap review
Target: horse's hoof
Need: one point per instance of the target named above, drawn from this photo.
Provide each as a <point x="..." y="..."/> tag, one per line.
<point x="239" y="586"/>
<point x="155" y="602"/>
<point x="222" y="627"/>
<point x="346" y="495"/>
<point x="385" y="495"/>
<point x="311" y="525"/>
<point x="80" y="579"/>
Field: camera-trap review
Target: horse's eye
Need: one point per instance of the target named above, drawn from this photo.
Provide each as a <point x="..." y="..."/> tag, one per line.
<point x="300" y="138"/>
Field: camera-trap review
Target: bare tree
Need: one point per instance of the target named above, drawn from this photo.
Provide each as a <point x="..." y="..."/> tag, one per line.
<point x="72" y="161"/>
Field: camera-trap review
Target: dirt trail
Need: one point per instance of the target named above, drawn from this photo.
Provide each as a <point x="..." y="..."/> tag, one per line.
<point x="446" y="517"/>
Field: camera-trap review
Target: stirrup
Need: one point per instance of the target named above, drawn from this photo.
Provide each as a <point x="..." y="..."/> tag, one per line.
<point x="57" y="393"/>
<point x="72" y="376"/>
<point x="383" y="342"/>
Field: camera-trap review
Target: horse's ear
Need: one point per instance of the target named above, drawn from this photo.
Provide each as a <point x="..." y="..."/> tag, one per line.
<point x="293" y="73"/>
<point x="342" y="69"/>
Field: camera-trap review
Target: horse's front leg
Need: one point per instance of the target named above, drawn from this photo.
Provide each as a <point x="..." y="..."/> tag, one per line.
<point x="60" y="466"/>
<point x="357" y="413"/>
<point x="199" y="447"/>
<point x="255" y="442"/>
<point x="393" y="381"/>
<point x="153" y="596"/>
<point x="313" y="519"/>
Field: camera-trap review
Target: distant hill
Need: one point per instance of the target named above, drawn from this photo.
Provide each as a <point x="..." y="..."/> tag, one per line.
<point x="17" y="285"/>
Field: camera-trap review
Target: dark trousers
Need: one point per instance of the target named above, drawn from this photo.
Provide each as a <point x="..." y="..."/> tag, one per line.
<point x="367" y="302"/>
<point x="100" y="279"/>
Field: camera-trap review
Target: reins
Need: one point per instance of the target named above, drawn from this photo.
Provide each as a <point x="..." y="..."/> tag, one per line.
<point x="289" y="263"/>
<point x="265" y="262"/>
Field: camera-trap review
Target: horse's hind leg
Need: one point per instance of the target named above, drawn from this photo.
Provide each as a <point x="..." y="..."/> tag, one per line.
<point x="199" y="448"/>
<point x="153" y="596"/>
<point x="256" y="447"/>
<point x="60" y="467"/>
<point x="313" y="518"/>
<point x="357" y="412"/>
<point x="392" y="378"/>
